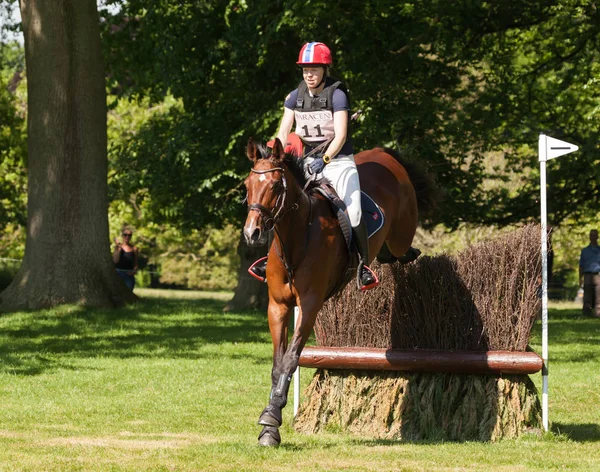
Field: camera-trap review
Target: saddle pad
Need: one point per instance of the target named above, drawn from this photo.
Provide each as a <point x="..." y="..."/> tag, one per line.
<point x="372" y="214"/>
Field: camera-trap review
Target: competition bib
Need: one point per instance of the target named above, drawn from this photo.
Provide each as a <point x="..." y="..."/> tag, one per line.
<point x="314" y="126"/>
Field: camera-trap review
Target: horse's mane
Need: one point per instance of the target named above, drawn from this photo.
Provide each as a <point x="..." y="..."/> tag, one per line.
<point x="293" y="163"/>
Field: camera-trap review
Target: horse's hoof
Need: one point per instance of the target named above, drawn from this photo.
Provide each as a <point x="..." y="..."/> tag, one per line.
<point x="269" y="436"/>
<point x="271" y="416"/>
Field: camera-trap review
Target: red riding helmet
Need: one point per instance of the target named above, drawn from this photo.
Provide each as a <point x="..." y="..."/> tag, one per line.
<point x="314" y="54"/>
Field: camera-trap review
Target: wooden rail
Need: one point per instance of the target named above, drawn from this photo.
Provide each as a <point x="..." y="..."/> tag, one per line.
<point x="421" y="360"/>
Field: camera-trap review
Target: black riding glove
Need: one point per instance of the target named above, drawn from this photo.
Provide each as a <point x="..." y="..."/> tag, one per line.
<point x="318" y="164"/>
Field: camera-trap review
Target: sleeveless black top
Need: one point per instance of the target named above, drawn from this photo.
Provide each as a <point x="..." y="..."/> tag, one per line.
<point x="125" y="260"/>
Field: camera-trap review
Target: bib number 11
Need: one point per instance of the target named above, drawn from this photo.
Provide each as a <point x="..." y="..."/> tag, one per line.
<point x="308" y="135"/>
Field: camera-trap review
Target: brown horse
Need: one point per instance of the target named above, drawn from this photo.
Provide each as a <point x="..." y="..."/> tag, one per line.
<point x="308" y="257"/>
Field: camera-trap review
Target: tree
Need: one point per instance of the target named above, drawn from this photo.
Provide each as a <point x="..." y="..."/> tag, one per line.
<point x="447" y="83"/>
<point x="543" y="78"/>
<point x="67" y="257"/>
<point x="12" y="139"/>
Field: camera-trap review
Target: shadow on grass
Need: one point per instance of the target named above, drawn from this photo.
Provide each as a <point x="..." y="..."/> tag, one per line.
<point x="33" y="342"/>
<point x="586" y="432"/>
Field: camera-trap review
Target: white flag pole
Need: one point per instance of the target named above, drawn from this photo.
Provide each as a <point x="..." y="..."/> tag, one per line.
<point x="543" y="158"/>
<point x="297" y="372"/>
<point x="548" y="148"/>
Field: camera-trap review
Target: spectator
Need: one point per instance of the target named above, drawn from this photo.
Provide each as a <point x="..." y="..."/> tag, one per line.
<point x="589" y="276"/>
<point x="125" y="257"/>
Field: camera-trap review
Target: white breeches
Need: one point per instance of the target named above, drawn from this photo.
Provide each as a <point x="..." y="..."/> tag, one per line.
<point x="343" y="175"/>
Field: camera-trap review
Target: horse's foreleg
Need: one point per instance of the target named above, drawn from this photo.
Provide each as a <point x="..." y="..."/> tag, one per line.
<point x="289" y="363"/>
<point x="279" y="315"/>
<point x="283" y="369"/>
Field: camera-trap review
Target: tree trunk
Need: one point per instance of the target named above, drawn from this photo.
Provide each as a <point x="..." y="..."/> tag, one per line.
<point x="67" y="255"/>
<point x="249" y="293"/>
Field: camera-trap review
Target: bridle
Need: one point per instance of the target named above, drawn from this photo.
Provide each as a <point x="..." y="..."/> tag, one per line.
<point x="279" y="208"/>
<point x="271" y="219"/>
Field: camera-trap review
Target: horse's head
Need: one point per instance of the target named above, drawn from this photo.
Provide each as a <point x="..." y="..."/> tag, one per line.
<point x="267" y="189"/>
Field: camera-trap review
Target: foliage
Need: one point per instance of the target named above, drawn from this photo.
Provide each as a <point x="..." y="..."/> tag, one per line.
<point x="546" y="81"/>
<point x="568" y="240"/>
<point x="12" y="249"/>
<point x="13" y="148"/>
<point x="464" y="87"/>
<point x="13" y="161"/>
<point x="203" y="259"/>
<point x="447" y="82"/>
<point x="8" y="25"/>
<point x="171" y="255"/>
<point x="176" y="384"/>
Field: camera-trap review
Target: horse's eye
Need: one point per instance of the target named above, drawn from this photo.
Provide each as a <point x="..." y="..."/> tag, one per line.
<point x="276" y="185"/>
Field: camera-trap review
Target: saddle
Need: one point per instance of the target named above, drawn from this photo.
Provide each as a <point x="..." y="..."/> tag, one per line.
<point x="374" y="219"/>
<point x="372" y="214"/>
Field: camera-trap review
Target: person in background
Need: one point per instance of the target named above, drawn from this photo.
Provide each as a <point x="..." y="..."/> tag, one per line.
<point x="589" y="276"/>
<point x="125" y="257"/>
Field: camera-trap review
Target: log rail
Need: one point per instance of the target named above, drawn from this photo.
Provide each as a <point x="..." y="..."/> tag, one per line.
<point x="421" y="360"/>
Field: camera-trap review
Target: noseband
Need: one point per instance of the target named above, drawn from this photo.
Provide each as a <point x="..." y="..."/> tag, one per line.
<point x="279" y="203"/>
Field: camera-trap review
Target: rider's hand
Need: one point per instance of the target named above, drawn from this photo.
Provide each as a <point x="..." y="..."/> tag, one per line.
<point x="317" y="165"/>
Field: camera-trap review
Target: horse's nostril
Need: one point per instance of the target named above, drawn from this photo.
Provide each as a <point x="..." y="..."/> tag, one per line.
<point x="256" y="234"/>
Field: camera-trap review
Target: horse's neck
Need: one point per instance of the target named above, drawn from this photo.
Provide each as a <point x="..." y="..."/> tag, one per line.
<point x="293" y="226"/>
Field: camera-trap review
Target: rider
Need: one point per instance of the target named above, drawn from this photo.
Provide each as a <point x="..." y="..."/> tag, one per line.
<point x="320" y="108"/>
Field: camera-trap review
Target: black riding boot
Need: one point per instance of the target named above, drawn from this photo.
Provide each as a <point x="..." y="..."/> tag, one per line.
<point x="258" y="270"/>
<point x="365" y="277"/>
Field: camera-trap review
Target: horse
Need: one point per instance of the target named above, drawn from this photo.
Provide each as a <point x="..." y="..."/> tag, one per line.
<point x="309" y="258"/>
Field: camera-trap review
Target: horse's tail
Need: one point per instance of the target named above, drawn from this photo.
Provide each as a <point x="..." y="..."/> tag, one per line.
<point x="427" y="191"/>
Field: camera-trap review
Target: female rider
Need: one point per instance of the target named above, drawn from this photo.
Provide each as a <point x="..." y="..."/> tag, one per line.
<point x="320" y="108"/>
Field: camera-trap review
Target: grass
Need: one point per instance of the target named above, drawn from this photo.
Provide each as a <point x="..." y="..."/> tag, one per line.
<point x="175" y="384"/>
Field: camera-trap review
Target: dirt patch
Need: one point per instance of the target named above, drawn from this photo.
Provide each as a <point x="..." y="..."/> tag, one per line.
<point x="124" y="440"/>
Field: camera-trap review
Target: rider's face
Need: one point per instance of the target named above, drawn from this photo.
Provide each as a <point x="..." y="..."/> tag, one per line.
<point x="313" y="76"/>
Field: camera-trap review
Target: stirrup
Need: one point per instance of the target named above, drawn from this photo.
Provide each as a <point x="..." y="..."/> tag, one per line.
<point x="254" y="270"/>
<point x="373" y="284"/>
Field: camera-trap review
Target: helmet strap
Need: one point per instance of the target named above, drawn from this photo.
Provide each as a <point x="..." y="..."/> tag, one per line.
<point x="324" y="76"/>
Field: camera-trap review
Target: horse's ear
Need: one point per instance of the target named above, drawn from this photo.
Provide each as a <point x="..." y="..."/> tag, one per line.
<point x="251" y="150"/>
<point x="278" y="150"/>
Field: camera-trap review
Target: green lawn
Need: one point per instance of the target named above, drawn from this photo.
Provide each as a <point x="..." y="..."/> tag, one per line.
<point x="175" y="384"/>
